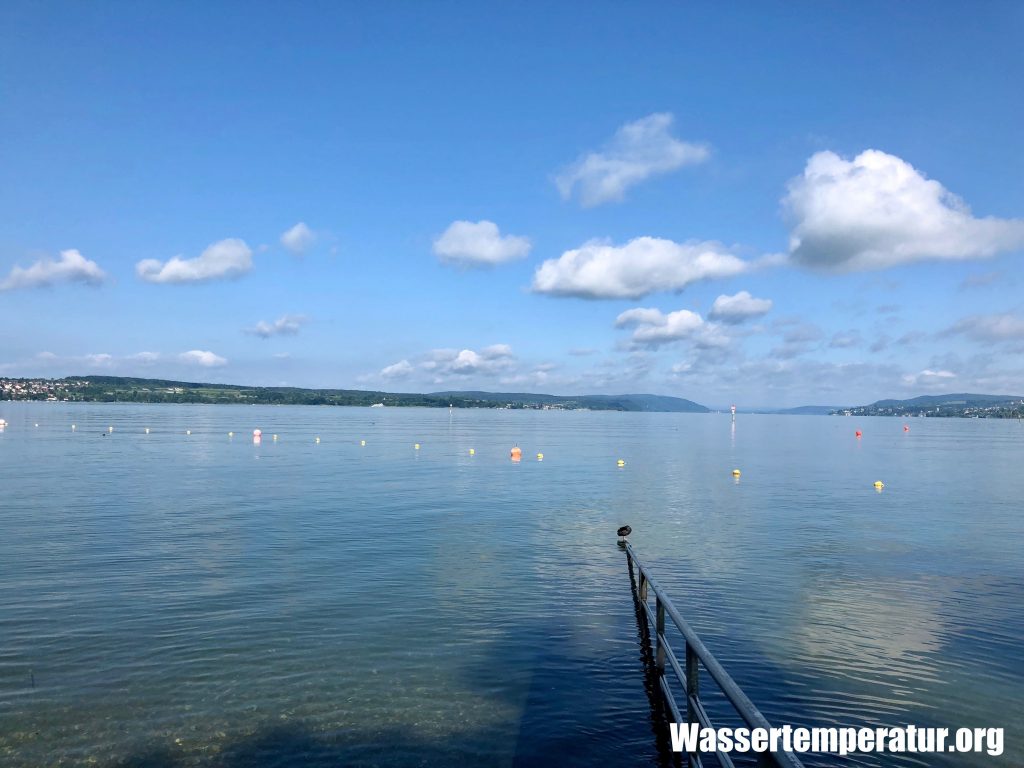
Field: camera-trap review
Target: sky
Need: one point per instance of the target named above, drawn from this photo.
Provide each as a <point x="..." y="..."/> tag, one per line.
<point x="767" y="204"/>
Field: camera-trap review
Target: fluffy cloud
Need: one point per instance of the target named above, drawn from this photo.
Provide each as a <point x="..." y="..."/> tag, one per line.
<point x="286" y="325"/>
<point x="479" y="243"/>
<point x="878" y="211"/>
<point x="929" y="379"/>
<point x="203" y="358"/>
<point x="600" y="270"/>
<point x="438" y="365"/>
<point x="652" y="328"/>
<point x="71" y="267"/>
<point x="990" y="328"/>
<point x="400" y="370"/>
<point x="638" y="150"/>
<point x="223" y="259"/>
<point x="739" y="307"/>
<point x="298" y="239"/>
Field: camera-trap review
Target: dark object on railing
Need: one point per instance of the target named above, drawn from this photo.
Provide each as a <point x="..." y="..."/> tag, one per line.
<point x="696" y="654"/>
<point x="624" y="531"/>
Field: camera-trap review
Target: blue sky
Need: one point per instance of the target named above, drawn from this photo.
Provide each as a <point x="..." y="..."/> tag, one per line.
<point x="763" y="204"/>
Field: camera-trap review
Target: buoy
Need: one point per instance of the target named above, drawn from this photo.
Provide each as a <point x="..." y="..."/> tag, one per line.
<point x="6" y="422"/>
<point x="188" y="431"/>
<point x="317" y="439"/>
<point x="275" y="438"/>
<point x="72" y="427"/>
<point x="231" y="434"/>
<point x="416" y="447"/>
<point x="110" y="429"/>
<point x="516" y="453"/>
<point x="257" y="433"/>
<point x="362" y="442"/>
<point x="735" y="473"/>
<point x="540" y="457"/>
<point x="147" y="430"/>
<point x="621" y="463"/>
<point x="906" y="428"/>
<point x="857" y="433"/>
<point x="472" y="451"/>
<point x="879" y="485"/>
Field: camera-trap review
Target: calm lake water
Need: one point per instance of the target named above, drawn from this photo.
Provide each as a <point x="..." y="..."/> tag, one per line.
<point x="196" y="600"/>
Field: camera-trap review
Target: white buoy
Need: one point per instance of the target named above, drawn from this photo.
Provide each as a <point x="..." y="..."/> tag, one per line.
<point x="147" y="430"/>
<point x="73" y="427"/>
<point x="110" y="429"/>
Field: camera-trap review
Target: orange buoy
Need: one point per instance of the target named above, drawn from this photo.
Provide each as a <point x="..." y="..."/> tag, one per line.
<point x="516" y="453"/>
<point x="906" y="428"/>
<point x="857" y="433"/>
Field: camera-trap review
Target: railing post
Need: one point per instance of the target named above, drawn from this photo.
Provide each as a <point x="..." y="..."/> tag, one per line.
<point x="660" y="659"/>
<point x="692" y="683"/>
<point x="643" y="585"/>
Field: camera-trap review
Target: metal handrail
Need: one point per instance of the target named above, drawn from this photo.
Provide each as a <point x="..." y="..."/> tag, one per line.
<point x="696" y="654"/>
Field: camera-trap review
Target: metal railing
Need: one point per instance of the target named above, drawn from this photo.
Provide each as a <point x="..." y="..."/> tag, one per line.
<point x="695" y="655"/>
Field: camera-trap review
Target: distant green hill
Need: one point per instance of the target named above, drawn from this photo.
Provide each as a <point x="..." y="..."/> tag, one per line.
<point x="959" y="404"/>
<point x="659" y="403"/>
<point x="130" y="389"/>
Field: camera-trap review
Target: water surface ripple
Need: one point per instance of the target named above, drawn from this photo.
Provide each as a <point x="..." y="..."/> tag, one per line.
<point x="173" y="599"/>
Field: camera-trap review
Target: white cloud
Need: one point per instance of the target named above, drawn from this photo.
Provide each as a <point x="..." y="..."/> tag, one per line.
<point x="298" y="239"/>
<point x="223" y="259"/>
<point x="439" y="365"/>
<point x="638" y="150"/>
<point x="400" y="370"/>
<point x="652" y="327"/>
<point x="479" y="243"/>
<point x="990" y="328"/>
<point x="286" y="325"/>
<point x="206" y="359"/>
<point x="739" y="307"/>
<point x="928" y="378"/>
<point x="878" y="211"/>
<point x="71" y="267"/>
<point x="600" y="270"/>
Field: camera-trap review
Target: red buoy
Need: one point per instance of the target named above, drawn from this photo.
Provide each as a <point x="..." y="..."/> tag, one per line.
<point x="857" y="433"/>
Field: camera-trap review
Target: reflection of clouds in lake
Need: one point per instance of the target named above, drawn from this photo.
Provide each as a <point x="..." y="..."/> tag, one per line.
<point x="851" y="627"/>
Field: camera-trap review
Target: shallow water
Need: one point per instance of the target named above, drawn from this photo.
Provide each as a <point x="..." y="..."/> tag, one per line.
<point x="196" y="600"/>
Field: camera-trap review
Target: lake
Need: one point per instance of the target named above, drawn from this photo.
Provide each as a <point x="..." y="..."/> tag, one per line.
<point x="173" y="599"/>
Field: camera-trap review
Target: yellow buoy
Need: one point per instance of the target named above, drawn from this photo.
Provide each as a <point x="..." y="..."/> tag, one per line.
<point x="735" y="473"/>
<point x="275" y="437"/>
<point x="362" y="442"/>
<point x="416" y="446"/>
<point x="231" y="434"/>
<point x="540" y="457"/>
<point x="879" y="485"/>
<point x="110" y="429"/>
<point x="472" y="451"/>
<point x="317" y="439"/>
<point x="621" y="463"/>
